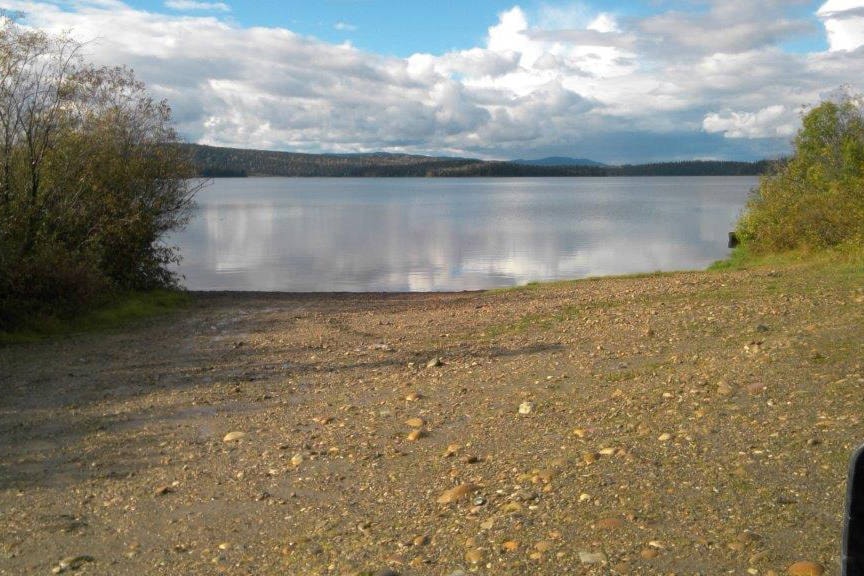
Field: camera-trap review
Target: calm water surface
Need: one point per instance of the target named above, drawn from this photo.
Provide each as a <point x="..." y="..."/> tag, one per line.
<point x="396" y="234"/>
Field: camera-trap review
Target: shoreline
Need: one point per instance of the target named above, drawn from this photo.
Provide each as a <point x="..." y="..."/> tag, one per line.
<point x="674" y="422"/>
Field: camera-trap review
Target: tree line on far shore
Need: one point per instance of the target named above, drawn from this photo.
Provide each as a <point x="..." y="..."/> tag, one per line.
<point x="216" y="162"/>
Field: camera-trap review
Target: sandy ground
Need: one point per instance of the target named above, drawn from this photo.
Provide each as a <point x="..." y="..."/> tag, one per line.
<point x="692" y="423"/>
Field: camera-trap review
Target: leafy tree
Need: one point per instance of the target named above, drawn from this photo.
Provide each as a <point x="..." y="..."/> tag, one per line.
<point x="816" y="199"/>
<point x="91" y="178"/>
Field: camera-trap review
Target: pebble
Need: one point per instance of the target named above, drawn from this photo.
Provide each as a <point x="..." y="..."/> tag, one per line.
<point x="415" y="422"/>
<point x="474" y="556"/>
<point x="609" y="524"/>
<point x="664" y="437"/>
<point x="413" y="397"/>
<point x="805" y="568"/>
<point x="234" y="436"/>
<point x="414" y="435"/>
<point x="456" y="494"/>
<point x="297" y="459"/>
<point x="526" y="408"/>
<point x="724" y="389"/>
<point x="451" y="450"/>
<point x="510" y="546"/>
<point x="420" y="540"/>
<point x="71" y="563"/>
<point x="592" y="557"/>
<point x="649" y="553"/>
<point x="756" y="388"/>
<point x="543" y="546"/>
<point x="434" y="363"/>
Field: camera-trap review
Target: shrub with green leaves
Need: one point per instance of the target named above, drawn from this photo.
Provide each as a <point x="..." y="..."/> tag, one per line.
<point x="815" y="200"/>
<point x="91" y="179"/>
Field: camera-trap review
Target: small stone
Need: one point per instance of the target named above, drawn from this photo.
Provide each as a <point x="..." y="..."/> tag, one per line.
<point x="456" y="494"/>
<point x="526" y="408"/>
<point x="413" y="397"/>
<point x="72" y="563"/>
<point x="510" y="546"/>
<point x="805" y="568"/>
<point x="434" y="363"/>
<point x="724" y="389"/>
<point x="649" y="553"/>
<point x="590" y="457"/>
<point x="451" y="450"/>
<point x="580" y="432"/>
<point x="234" y="436"/>
<point x="543" y="546"/>
<point x="479" y="501"/>
<point x="756" y="388"/>
<point x="297" y="459"/>
<point x="415" y="435"/>
<point x="592" y="557"/>
<point x="163" y="490"/>
<point x="420" y="540"/>
<point x="474" y="556"/>
<point x="609" y="524"/>
<point x="664" y="437"/>
<point x="415" y="422"/>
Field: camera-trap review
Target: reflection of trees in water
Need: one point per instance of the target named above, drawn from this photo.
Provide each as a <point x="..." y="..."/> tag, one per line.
<point x="448" y="241"/>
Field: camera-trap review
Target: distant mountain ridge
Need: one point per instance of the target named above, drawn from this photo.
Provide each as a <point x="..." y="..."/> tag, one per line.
<point x="215" y="162"/>
<point x="558" y="161"/>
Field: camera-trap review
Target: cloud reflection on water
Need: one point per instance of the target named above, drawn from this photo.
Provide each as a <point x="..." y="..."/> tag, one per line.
<point x="431" y="235"/>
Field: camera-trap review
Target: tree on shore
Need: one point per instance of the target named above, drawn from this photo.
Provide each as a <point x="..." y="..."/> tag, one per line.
<point x="816" y="199"/>
<point x="91" y="178"/>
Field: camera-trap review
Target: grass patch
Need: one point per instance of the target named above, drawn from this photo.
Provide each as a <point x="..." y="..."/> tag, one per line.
<point x="847" y="256"/>
<point x="117" y="312"/>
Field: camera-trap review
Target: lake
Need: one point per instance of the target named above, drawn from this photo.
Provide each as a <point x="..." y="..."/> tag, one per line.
<point x="423" y="234"/>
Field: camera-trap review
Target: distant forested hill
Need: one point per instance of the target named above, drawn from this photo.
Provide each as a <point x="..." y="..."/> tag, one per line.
<point x="217" y="162"/>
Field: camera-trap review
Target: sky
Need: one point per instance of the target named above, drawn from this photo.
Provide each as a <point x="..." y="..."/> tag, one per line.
<point x="618" y="82"/>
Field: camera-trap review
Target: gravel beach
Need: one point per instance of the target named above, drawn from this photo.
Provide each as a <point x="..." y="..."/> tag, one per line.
<point x="686" y="423"/>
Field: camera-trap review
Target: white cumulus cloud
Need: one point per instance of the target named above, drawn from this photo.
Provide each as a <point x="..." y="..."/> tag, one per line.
<point x="844" y="22"/>
<point x="771" y="122"/>
<point x="561" y="81"/>
<point x="193" y="5"/>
